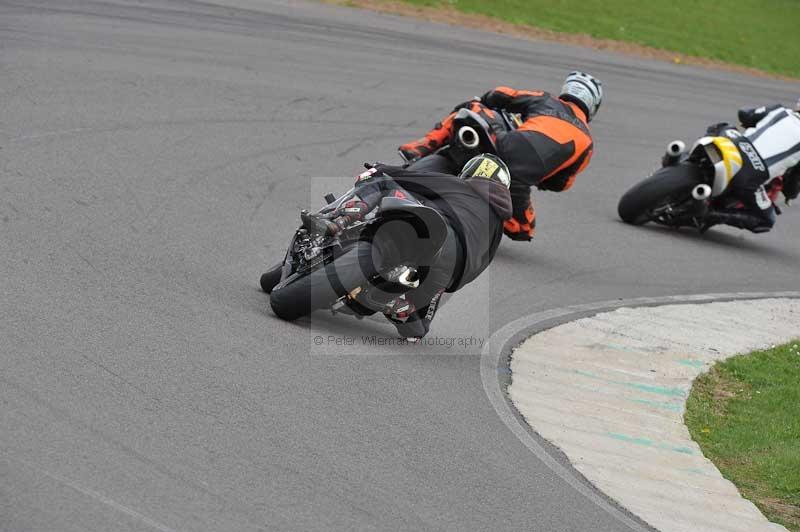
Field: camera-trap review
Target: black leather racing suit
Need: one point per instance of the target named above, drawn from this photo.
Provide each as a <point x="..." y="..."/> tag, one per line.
<point x="474" y="210"/>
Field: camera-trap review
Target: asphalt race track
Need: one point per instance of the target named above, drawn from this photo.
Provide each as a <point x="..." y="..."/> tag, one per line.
<point x="153" y="159"/>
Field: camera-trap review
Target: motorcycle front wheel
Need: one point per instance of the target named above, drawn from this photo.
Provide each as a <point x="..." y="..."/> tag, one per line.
<point x="321" y="288"/>
<point x="271" y="279"/>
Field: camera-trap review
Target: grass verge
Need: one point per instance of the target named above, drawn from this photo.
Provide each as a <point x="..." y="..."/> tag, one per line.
<point x="745" y="415"/>
<point x="757" y="34"/>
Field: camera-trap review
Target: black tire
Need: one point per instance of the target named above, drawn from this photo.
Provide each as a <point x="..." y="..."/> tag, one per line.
<point x="321" y="288"/>
<point x="636" y="204"/>
<point x="271" y="278"/>
<point x="294" y="301"/>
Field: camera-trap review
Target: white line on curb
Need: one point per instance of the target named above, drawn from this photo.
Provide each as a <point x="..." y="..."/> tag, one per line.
<point x="494" y="368"/>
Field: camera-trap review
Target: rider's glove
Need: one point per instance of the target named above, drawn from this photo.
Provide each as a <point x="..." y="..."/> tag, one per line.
<point x="522" y="226"/>
<point x="416" y="150"/>
<point x="467" y="104"/>
<point x="513" y="231"/>
<point x="408" y="155"/>
<point x="718" y="128"/>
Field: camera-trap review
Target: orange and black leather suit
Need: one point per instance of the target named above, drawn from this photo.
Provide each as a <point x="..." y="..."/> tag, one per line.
<point x="549" y="148"/>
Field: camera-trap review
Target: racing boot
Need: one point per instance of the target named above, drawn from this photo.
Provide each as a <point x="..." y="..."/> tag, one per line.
<point x="743" y="220"/>
<point x="399" y="309"/>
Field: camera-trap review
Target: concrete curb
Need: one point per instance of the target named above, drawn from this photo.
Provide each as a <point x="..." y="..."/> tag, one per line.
<point x="551" y="420"/>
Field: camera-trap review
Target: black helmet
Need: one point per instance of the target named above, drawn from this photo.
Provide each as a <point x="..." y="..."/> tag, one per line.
<point x="487" y="166"/>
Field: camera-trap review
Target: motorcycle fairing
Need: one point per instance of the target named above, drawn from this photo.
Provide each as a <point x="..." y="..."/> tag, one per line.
<point x="726" y="158"/>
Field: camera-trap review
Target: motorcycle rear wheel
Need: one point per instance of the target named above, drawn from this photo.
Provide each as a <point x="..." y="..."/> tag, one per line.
<point x="668" y="183"/>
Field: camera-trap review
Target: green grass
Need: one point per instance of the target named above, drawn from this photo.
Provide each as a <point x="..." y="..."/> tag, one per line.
<point x="756" y="33"/>
<point x="745" y="414"/>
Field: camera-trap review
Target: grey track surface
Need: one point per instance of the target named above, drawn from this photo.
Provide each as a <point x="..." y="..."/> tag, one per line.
<point x="153" y="156"/>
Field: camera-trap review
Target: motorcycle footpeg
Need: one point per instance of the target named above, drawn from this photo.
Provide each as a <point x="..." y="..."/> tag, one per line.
<point x="343" y="306"/>
<point x="339" y="306"/>
<point x="700" y="209"/>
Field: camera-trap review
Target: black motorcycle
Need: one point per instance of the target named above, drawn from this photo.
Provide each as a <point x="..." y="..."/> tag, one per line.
<point x="414" y="233"/>
<point x="690" y="184"/>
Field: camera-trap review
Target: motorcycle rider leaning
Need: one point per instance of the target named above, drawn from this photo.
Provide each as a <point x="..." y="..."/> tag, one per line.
<point x="550" y="146"/>
<point x="774" y="133"/>
<point x="473" y="205"/>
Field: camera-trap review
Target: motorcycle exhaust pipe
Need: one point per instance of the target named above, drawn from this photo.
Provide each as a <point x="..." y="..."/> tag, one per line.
<point x="468" y="137"/>
<point x="701" y="192"/>
<point x="409" y="278"/>
<point x="675" y="149"/>
<point x="403" y="275"/>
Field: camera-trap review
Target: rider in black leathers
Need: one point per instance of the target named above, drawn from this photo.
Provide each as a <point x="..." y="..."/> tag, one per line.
<point x="474" y="209"/>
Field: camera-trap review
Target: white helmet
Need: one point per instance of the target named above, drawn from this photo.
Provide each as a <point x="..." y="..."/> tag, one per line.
<point x="584" y="90"/>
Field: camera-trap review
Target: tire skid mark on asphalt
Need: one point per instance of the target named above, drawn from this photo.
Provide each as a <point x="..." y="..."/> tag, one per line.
<point x="183" y="123"/>
<point x="127" y="449"/>
<point x="94" y="495"/>
<point x="154" y="222"/>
